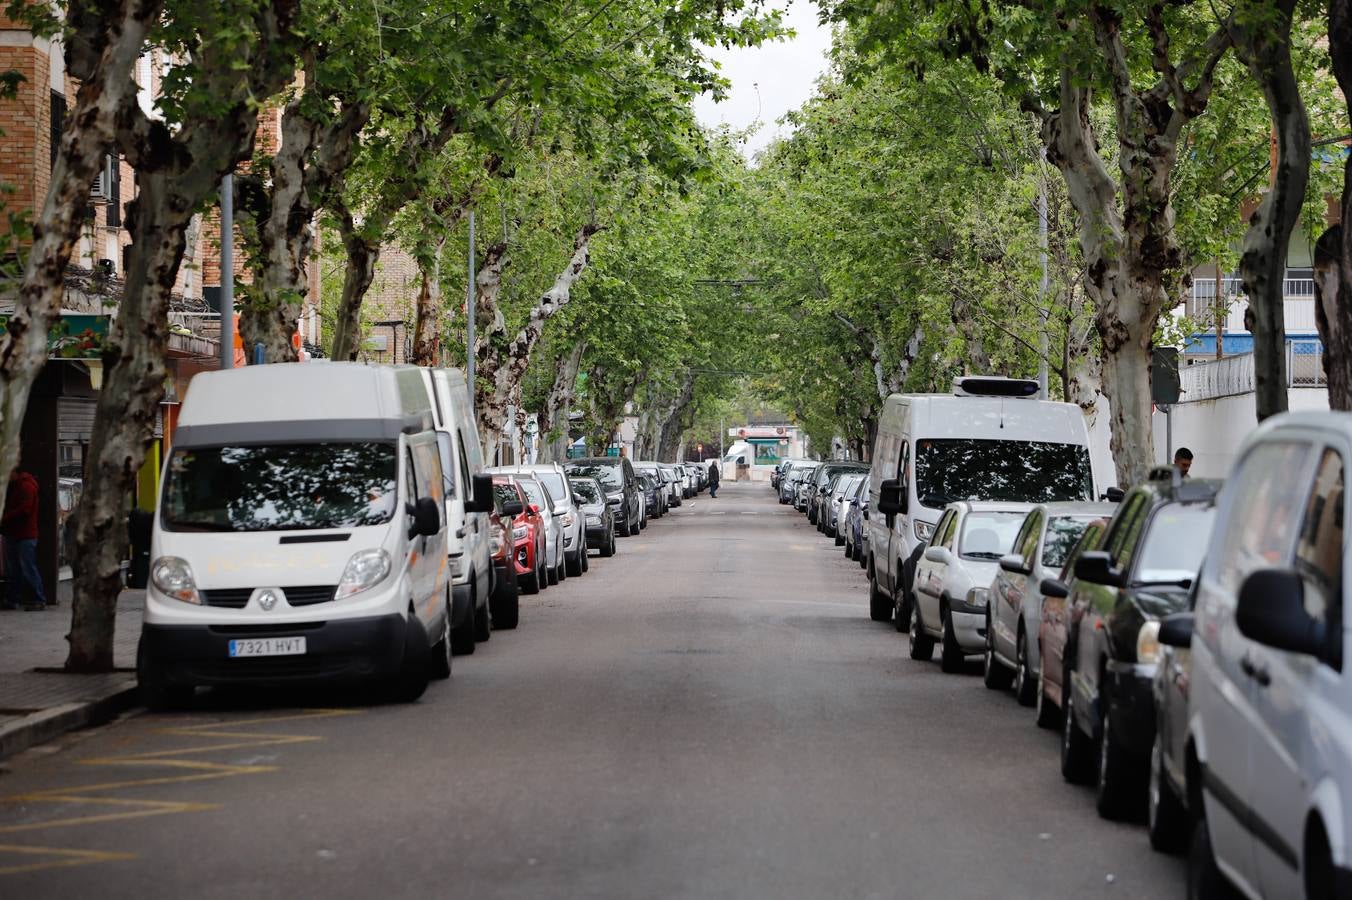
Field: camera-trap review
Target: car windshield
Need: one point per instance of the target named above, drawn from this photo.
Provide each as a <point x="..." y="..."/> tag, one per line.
<point x="1020" y="471"/>
<point x="607" y="475"/>
<point x="586" y="491"/>
<point x="1173" y="547"/>
<point x="553" y="482"/>
<point x="1062" y="533"/>
<point x="281" y="488"/>
<point x="989" y="535"/>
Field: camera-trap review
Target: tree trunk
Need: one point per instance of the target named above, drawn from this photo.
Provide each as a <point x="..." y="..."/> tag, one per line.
<point x="490" y="404"/>
<point x="101" y="53"/>
<point x="1266" y="50"/>
<point x="676" y="422"/>
<point x="427" y="331"/>
<point x="1333" y="251"/>
<point x="362" y="255"/>
<point x="554" y="417"/>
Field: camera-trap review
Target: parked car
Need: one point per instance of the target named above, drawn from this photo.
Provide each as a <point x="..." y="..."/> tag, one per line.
<point x="658" y="505"/>
<point x="552" y="476"/>
<point x="1167" y="818"/>
<point x="542" y="504"/>
<point x="1268" y="750"/>
<point x="652" y="493"/>
<point x="597" y="514"/>
<point x="1055" y="626"/>
<point x="1015" y="611"/>
<point x="674" y="484"/>
<point x="992" y="440"/>
<point x="528" y="536"/>
<point x="835" y="508"/>
<point x="856" y="522"/>
<point x="1150" y="557"/>
<point x="504" y="604"/>
<point x="828" y="474"/>
<point x="364" y="594"/>
<point x="616" y="474"/>
<point x="954" y="575"/>
<point x="788" y="483"/>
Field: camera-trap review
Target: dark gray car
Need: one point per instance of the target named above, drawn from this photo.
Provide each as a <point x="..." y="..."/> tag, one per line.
<point x="616" y="475"/>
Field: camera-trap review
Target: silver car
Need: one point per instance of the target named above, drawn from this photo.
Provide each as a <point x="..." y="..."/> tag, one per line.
<point x="953" y="576"/>
<point x="552" y="476"/>
<point x="1015" y="610"/>
<point x="539" y="496"/>
<point x="846" y="485"/>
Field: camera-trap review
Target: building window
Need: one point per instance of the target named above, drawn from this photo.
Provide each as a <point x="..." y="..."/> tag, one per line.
<point x="114" y="166"/>
<point x="58" y="122"/>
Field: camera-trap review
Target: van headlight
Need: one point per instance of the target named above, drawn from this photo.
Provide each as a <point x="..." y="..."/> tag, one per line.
<point x="923" y="531"/>
<point x="173" y="578"/>
<point x="364" y="571"/>
<point x="1148" y="642"/>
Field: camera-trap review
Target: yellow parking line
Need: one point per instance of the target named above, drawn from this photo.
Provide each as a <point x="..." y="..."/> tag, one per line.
<point x="65" y="859"/>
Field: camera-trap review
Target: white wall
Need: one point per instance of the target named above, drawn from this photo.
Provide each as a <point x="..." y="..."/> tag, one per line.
<point x="1213" y="429"/>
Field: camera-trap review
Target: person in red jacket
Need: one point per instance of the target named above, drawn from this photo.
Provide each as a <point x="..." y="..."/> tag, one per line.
<point x="19" y="525"/>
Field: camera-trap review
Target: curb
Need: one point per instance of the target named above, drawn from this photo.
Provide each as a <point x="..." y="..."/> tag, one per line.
<point x="42" y="726"/>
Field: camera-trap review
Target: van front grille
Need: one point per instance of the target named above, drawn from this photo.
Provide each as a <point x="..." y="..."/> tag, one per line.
<point x="230" y="598"/>
<point x="305" y="596"/>
<point x="238" y="598"/>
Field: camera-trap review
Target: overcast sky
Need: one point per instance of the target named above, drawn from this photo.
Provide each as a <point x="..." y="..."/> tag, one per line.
<point x="770" y="80"/>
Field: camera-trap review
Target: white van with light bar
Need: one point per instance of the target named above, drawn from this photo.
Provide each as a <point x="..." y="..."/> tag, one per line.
<point x="992" y="439"/>
<point x="300" y="535"/>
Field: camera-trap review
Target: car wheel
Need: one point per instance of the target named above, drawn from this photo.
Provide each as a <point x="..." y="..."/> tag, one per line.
<point x="1025" y="685"/>
<point x="505" y="607"/>
<point x="996" y="676"/>
<point x="951" y="656"/>
<point x="1075" y="746"/>
<point x="563" y="566"/>
<point x="552" y="575"/>
<point x="921" y="644"/>
<point x="528" y="584"/>
<point x="1321" y="876"/>
<point x="157" y="692"/>
<point x="1046" y="709"/>
<point x="863" y="558"/>
<point x="439" y="662"/>
<point x="574" y="565"/>
<point x="542" y="575"/>
<point x="902" y="612"/>
<point x="840" y="539"/>
<point x="586" y="559"/>
<point x="879" y="605"/>
<point x="608" y="548"/>
<point x="482" y="630"/>
<point x="849" y="552"/>
<point x="462" y="635"/>
<point x="1166" y="816"/>
<point x="411" y="681"/>
<point x="1117" y="781"/>
<point x="1206" y="881"/>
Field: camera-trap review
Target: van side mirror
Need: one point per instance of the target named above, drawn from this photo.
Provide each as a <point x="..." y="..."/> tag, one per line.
<point x="1054" y="589"/>
<point x="1096" y="567"/>
<point x="513" y="508"/>
<point x="426" y="518"/>
<point x="889" y="500"/>
<point x="1176" y="630"/>
<point x="482" y="501"/>
<point x="1014" y="563"/>
<point x="1271" y="611"/>
<point x="1114" y="495"/>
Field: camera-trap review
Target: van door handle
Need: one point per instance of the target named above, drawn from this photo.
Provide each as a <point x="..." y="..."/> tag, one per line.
<point x="1256" y="672"/>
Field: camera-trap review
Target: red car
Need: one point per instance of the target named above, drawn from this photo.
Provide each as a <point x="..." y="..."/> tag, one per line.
<point x="503" y="599"/>
<point x="527" y="538"/>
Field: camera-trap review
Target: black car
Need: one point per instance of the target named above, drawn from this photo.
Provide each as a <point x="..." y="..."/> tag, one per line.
<point x="652" y="494"/>
<point x="598" y="516"/>
<point x="1150" y="555"/>
<point x="617" y="476"/>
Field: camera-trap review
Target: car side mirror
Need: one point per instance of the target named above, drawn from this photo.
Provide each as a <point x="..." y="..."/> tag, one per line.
<point x="1114" y="495"/>
<point x="481" y="486"/>
<point x="937" y="554"/>
<point x="1014" y="562"/>
<point x="1096" y="567"/>
<point x="513" y="508"/>
<point x="426" y="518"/>
<point x="1271" y="611"/>
<point x="534" y="509"/>
<point x="1054" y="589"/>
<point x="1176" y="630"/>
<point x="614" y="501"/>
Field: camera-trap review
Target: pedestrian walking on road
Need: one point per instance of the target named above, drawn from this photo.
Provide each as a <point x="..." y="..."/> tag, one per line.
<point x="19" y="525"/>
<point x="713" y="479"/>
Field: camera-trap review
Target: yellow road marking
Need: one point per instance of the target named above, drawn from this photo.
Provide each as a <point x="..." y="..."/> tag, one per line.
<point x="132" y="808"/>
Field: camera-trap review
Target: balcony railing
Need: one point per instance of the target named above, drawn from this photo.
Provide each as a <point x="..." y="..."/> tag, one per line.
<point x="1234" y="374"/>
<point x="1299" y="306"/>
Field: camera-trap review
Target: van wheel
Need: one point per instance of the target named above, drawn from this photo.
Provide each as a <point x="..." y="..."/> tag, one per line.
<point x="574" y="566"/>
<point x="1206" y="881"/>
<point x="157" y="692"/>
<point x="505" y="607"/>
<point x="1321" y="878"/>
<point x="1075" y="746"/>
<point x="951" y="656"/>
<point x="1166" y="817"/>
<point x="879" y="604"/>
<point x="482" y="631"/>
<point x="411" y="682"/>
<point x="439" y="662"/>
<point x="922" y="645"/>
<point x="462" y="636"/>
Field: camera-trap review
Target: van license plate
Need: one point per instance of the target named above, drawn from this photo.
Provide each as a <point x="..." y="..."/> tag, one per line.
<point x="283" y="646"/>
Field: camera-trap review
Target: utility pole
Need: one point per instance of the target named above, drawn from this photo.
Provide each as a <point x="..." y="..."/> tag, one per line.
<point x="1043" y="347"/>
<point x="470" y="297"/>
<point x="228" y="272"/>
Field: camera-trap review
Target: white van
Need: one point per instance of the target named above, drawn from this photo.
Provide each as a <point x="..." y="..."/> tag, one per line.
<point x="469" y="553"/>
<point x="992" y="439"/>
<point x="301" y="534"/>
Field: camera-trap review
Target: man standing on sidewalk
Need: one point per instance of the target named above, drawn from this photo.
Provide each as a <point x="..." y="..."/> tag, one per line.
<point x="713" y="479"/>
<point x="19" y="525"/>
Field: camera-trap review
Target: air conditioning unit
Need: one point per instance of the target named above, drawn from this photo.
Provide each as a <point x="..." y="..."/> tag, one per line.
<point x="102" y="191"/>
<point x="993" y="386"/>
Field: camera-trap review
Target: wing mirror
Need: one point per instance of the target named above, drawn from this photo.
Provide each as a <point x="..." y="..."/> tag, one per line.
<point x="1096" y="567"/>
<point x="482" y="489"/>
<point x="937" y="554"/>
<point x="1114" y="495"/>
<point x="534" y="509"/>
<point x="1054" y="589"/>
<point x="426" y="518"/>
<point x="890" y="502"/>
<point x="1014" y="562"/>
<point x="1271" y="611"/>
<point x="1176" y="630"/>
<point x="513" y="508"/>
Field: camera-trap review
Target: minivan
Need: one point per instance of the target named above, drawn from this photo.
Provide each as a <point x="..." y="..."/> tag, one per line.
<point x="992" y="440"/>
<point x="300" y="540"/>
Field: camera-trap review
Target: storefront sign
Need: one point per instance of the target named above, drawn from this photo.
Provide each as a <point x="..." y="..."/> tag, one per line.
<point x="74" y="337"/>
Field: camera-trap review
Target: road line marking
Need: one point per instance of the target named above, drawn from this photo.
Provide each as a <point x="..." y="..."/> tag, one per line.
<point x="71" y="858"/>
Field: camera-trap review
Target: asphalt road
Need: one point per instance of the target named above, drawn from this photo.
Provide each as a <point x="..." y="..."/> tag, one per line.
<point x="709" y="714"/>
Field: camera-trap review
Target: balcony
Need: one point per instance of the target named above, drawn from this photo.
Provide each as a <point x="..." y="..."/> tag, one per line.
<point x="1234" y="375"/>
<point x="1299" y="293"/>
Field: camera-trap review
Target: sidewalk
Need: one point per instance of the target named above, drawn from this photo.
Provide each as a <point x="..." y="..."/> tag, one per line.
<point x="37" y="700"/>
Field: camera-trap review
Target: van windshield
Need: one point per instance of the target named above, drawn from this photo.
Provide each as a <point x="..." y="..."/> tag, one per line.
<point x="290" y="487"/>
<point x="951" y="469"/>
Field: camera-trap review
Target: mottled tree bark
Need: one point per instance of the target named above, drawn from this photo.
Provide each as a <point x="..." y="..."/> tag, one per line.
<point x="427" y="327"/>
<point x="553" y="418"/>
<point x="1333" y="251"/>
<point x="101" y="52"/>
